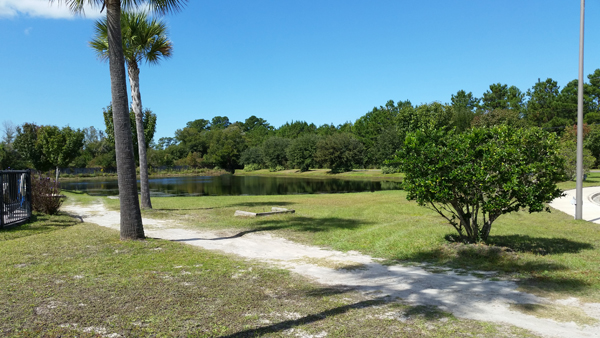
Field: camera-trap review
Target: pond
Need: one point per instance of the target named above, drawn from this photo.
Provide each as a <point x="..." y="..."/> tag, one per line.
<point x="234" y="185"/>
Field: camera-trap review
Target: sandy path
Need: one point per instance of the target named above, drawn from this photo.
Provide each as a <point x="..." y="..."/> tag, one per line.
<point x="465" y="296"/>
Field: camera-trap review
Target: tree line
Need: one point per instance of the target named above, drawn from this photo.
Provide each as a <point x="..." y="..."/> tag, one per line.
<point x="368" y="142"/>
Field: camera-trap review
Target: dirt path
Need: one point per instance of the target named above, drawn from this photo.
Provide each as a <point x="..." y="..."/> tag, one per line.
<point x="465" y="296"/>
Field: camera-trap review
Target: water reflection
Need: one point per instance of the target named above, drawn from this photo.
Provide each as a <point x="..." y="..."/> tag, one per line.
<point x="234" y="185"/>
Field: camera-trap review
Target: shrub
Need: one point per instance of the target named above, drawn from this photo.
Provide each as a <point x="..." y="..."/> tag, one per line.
<point x="253" y="155"/>
<point x="277" y="168"/>
<point x="340" y="152"/>
<point x="45" y="194"/>
<point x="474" y="177"/>
<point x="389" y="169"/>
<point x="301" y="152"/>
<point x="252" y="167"/>
<point x="568" y="151"/>
<point x="274" y="151"/>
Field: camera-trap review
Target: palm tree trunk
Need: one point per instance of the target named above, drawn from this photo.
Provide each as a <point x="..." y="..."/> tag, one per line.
<point x="131" y="218"/>
<point x="136" y="98"/>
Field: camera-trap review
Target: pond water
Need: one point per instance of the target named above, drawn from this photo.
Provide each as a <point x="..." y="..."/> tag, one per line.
<point x="234" y="185"/>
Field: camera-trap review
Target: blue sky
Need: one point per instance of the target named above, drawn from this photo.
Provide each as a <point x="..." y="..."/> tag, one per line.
<point x="322" y="61"/>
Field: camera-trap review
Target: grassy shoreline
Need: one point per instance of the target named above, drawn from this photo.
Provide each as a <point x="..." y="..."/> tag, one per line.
<point x="103" y="176"/>
<point x="359" y="174"/>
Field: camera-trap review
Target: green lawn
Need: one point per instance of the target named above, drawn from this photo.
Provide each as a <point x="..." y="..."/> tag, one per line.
<point x="550" y="253"/>
<point x="61" y="278"/>
<point x="592" y="180"/>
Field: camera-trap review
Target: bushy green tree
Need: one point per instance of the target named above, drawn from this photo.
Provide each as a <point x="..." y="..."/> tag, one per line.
<point x="568" y="151"/>
<point x="219" y="122"/>
<point x="340" y="152"/>
<point x="257" y="130"/>
<point x="498" y="117"/>
<point x="275" y="152"/>
<point x="500" y="96"/>
<point x="430" y="116"/>
<point x="472" y="178"/>
<point x="192" y="138"/>
<point x="60" y="146"/>
<point x="253" y="156"/>
<point x="160" y="157"/>
<point x="301" y="152"/>
<point x="592" y="142"/>
<point x="26" y="143"/>
<point x="464" y="105"/>
<point x="225" y="147"/>
<point x="388" y="143"/>
<point x="543" y="105"/>
<point x="295" y="129"/>
<point x="148" y="123"/>
<point x="10" y="158"/>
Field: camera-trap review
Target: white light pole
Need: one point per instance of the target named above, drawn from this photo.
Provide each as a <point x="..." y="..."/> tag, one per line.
<point x="579" y="189"/>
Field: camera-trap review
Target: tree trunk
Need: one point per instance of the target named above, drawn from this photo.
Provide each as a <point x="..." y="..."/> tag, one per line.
<point x="131" y="218"/>
<point x="136" y="104"/>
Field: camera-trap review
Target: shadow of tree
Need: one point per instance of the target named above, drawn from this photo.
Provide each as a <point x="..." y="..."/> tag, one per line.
<point x="308" y="224"/>
<point x="38" y="223"/>
<point x="539" y="274"/>
<point x="427" y="312"/>
<point x="539" y="245"/>
<point x="482" y="257"/>
<point x="312" y="224"/>
<point x="180" y="209"/>
<point x="288" y="324"/>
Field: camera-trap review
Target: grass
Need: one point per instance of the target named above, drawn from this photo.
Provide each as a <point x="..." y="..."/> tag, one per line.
<point x="593" y="180"/>
<point x="62" y="278"/>
<point x="558" y="313"/>
<point x="154" y="173"/>
<point x="366" y="174"/>
<point x="550" y="254"/>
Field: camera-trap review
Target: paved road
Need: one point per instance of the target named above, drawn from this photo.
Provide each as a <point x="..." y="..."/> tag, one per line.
<point x="591" y="210"/>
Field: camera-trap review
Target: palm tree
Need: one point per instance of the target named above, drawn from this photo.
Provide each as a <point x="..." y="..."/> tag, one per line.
<point x="143" y="40"/>
<point x="131" y="218"/>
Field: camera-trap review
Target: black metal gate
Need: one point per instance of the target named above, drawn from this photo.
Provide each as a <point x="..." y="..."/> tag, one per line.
<point x="16" y="197"/>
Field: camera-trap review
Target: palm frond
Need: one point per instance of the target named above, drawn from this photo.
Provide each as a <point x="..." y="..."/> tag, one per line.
<point x="76" y="6"/>
<point x="100" y="41"/>
<point x="143" y="39"/>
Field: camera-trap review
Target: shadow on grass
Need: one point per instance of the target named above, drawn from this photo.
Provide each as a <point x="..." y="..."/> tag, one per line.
<point x="39" y="223"/>
<point x="308" y="224"/>
<point x="482" y="257"/>
<point x="288" y="324"/>
<point x="312" y="224"/>
<point x="539" y="245"/>
<point x="504" y="255"/>
<point x="429" y="313"/>
<point x="260" y="204"/>
<point x="179" y="209"/>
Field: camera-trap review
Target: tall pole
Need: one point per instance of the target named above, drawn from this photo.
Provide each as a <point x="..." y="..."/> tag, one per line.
<point x="579" y="193"/>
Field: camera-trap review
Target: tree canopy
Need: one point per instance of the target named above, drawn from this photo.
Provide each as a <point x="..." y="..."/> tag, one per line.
<point x="474" y="177"/>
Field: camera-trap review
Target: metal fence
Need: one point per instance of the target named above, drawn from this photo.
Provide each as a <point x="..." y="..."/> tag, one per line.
<point x="16" y="197"/>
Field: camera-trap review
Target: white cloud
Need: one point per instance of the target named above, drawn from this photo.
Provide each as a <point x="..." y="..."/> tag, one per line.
<point x="43" y="8"/>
